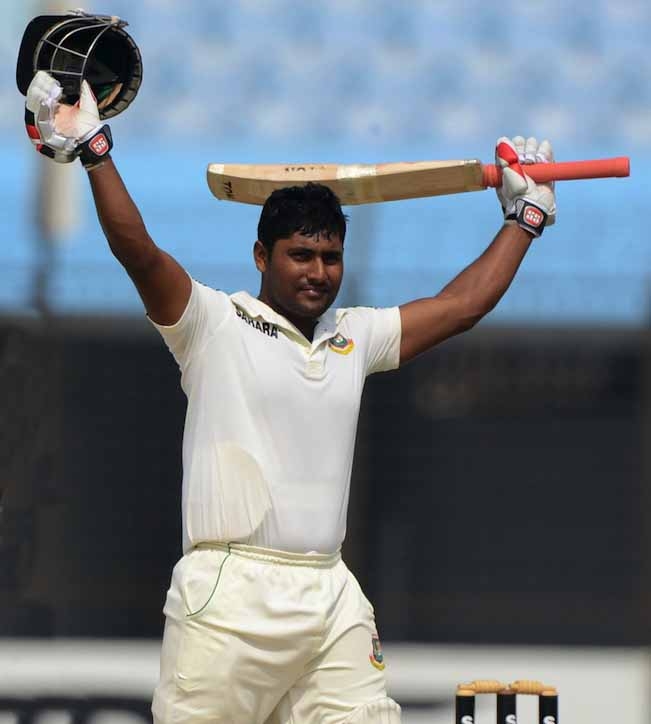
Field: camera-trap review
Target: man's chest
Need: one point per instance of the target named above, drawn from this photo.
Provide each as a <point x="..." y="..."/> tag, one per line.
<point x="273" y="363"/>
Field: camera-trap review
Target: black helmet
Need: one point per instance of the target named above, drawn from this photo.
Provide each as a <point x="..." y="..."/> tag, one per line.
<point x="76" y="46"/>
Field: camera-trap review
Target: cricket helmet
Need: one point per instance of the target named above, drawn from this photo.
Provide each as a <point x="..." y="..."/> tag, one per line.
<point x="76" y="46"/>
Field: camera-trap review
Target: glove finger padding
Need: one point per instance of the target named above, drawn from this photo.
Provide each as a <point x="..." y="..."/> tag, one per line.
<point x="64" y="132"/>
<point x="530" y="150"/>
<point x="88" y="102"/>
<point x="507" y="159"/>
<point x="532" y="206"/>
<point x="43" y="90"/>
<point x="41" y="105"/>
<point x="545" y="153"/>
<point x="518" y="143"/>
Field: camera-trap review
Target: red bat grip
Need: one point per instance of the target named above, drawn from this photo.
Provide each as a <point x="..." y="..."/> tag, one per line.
<point x="564" y="171"/>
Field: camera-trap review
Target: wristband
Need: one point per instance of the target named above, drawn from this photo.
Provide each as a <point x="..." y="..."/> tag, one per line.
<point x="529" y="216"/>
<point x="96" y="148"/>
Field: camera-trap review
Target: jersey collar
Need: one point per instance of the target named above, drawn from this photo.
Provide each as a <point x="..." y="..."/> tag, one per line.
<point x="326" y="324"/>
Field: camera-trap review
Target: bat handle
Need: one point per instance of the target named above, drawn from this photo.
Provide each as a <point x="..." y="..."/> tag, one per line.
<point x="563" y="171"/>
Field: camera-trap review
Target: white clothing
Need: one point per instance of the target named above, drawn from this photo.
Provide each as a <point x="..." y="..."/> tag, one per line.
<point x="257" y="636"/>
<point x="272" y="417"/>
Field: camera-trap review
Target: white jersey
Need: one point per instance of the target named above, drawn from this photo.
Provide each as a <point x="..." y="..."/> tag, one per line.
<point x="272" y="417"/>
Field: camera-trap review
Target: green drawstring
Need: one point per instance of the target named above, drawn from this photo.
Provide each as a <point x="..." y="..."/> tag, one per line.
<point x="212" y="593"/>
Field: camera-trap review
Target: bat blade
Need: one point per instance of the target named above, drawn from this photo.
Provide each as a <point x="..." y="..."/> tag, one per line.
<point x="372" y="183"/>
<point x="353" y="183"/>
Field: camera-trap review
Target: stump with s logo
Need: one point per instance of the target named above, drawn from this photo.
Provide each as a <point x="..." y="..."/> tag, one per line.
<point x="506" y="697"/>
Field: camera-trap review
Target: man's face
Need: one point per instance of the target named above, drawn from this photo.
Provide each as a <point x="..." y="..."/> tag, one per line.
<point x="301" y="277"/>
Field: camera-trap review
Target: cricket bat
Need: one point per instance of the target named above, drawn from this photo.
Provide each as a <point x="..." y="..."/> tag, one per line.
<point x="371" y="183"/>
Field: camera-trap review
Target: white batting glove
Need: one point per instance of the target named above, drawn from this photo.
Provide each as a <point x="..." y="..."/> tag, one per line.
<point x="524" y="202"/>
<point x="63" y="132"/>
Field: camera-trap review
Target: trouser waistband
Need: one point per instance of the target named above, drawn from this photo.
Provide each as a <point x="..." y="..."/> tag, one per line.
<point x="270" y="555"/>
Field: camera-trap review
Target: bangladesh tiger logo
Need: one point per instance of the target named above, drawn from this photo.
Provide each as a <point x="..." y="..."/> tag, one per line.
<point x="340" y="344"/>
<point x="376" y="657"/>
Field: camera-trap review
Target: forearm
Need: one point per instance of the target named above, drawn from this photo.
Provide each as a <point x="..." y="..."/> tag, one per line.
<point x="120" y="219"/>
<point x="482" y="284"/>
<point x="473" y="293"/>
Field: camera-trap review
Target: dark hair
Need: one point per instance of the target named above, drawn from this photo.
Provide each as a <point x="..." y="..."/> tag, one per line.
<point x="311" y="210"/>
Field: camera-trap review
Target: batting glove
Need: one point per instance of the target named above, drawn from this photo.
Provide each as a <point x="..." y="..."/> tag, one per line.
<point x="524" y="202"/>
<point x="64" y="132"/>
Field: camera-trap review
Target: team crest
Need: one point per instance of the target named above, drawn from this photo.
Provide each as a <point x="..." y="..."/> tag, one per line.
<point x="376" y="657"/>
<point x="340" y="344"/>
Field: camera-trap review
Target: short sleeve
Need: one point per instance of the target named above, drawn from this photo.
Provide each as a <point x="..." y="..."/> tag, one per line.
<point x="381" y="331"/>
<point x="206" y="310"/>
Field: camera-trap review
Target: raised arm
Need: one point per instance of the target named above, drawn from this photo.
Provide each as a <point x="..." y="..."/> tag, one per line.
<point x="473" y="293"/>
<point x="64" y="133"/>
<point x="164" y="286"/>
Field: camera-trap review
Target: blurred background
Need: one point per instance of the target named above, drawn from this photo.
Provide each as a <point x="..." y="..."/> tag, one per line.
<point x="501" y="506"/>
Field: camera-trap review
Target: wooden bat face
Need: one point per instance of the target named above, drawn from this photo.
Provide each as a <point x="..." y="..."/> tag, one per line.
<point x="353" y="183"/>
<point x="371" y="183"/>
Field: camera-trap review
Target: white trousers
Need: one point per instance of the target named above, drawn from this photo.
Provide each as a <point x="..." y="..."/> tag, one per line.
<point x="255" y="636"/>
